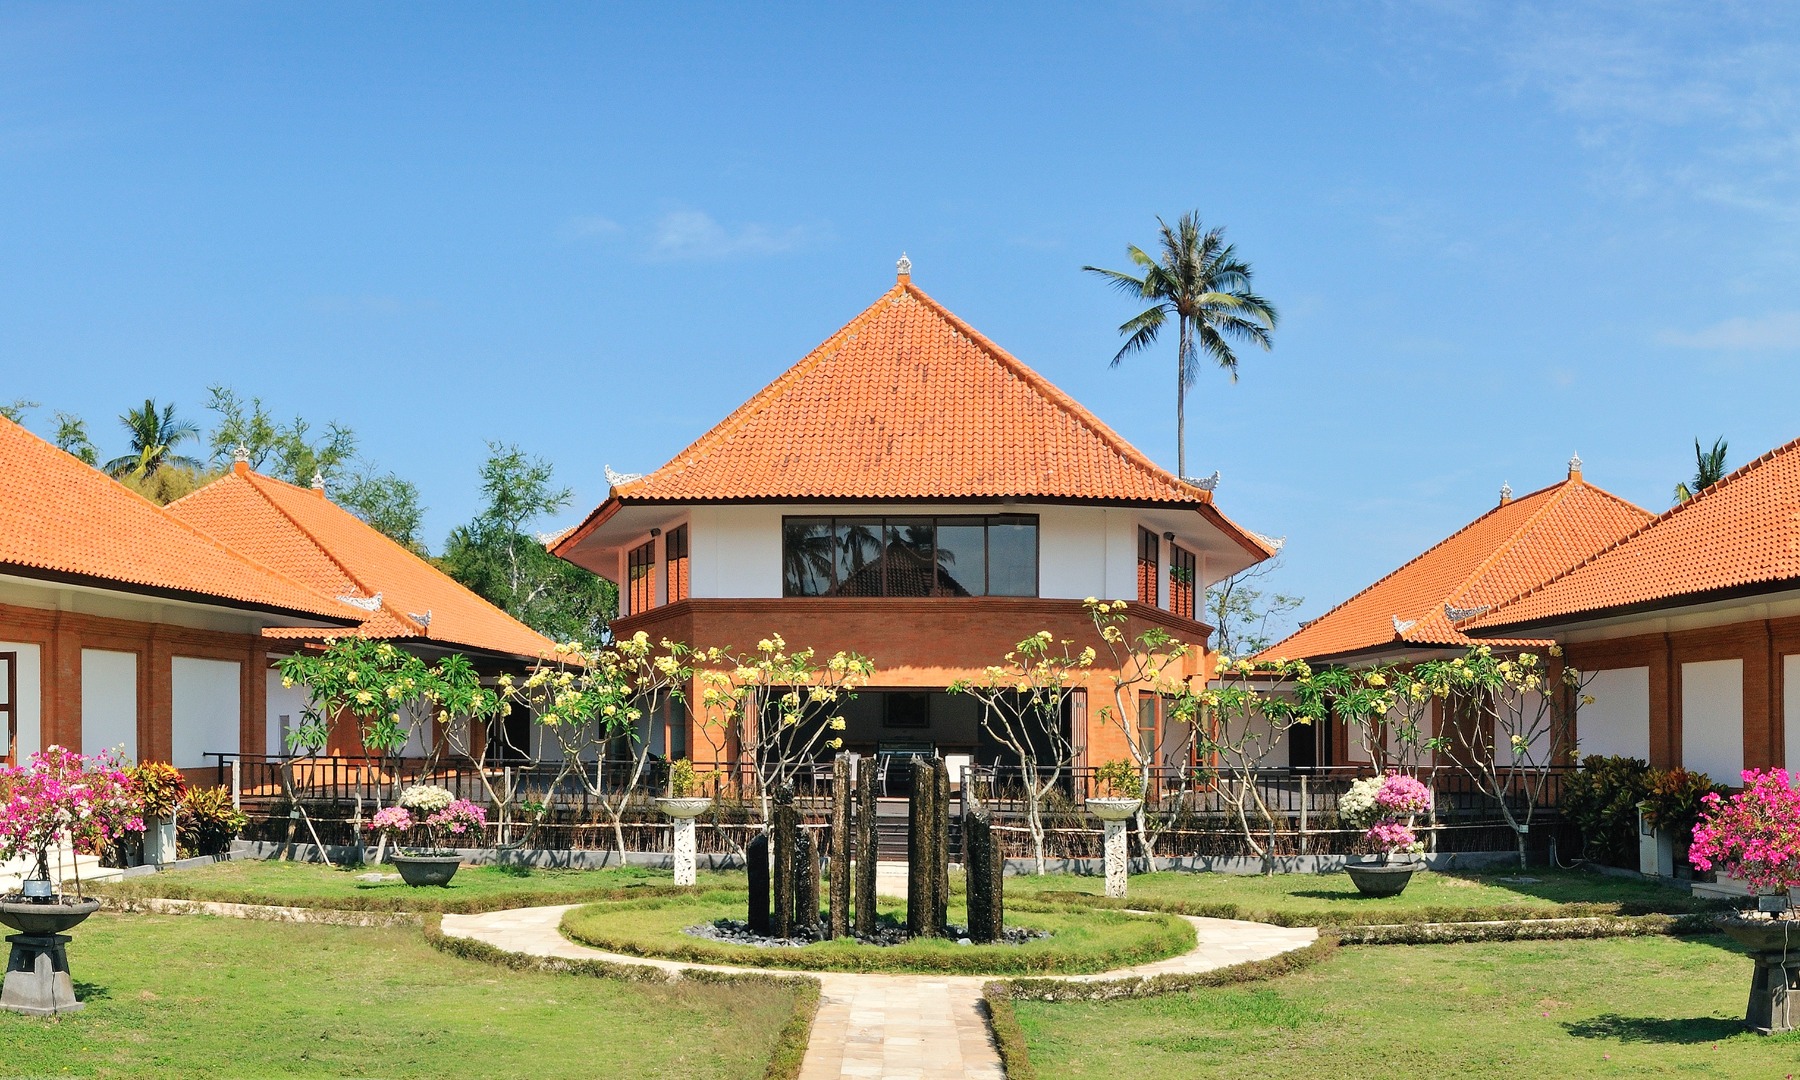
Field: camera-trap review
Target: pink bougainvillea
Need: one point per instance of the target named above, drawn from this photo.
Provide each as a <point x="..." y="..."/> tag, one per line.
<point x="1754" y="835"/>
<point x="1395" y="803"/>
<point x="459" y="820"/>
<point x="62" y="794"/>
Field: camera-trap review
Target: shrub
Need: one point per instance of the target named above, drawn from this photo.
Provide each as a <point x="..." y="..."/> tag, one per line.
<point x="1118" y="779"/>
<point x="1601" y="798"/>
<point x="208" y="823"/>
<point x="1356" y="807"/>
<point x="1672" y="799"/>
<point x="682" y="781"/>
<point x="1754" y="835"/>
<point x="159" y="788"/>
<point x="426" y="798"/>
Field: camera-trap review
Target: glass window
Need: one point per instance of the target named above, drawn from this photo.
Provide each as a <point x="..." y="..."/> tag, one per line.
<point x="1181" y="581"/>
<point x="961" y="557"/>
<point x="1012" y="556"/>
<point x="806" y="550"/>
<point x="910" y="557"/>
<point x="641" y="564"/>
<point x="675" y="562"/>
<point x="1146" y="566"/>
<point x="859" y="544"/>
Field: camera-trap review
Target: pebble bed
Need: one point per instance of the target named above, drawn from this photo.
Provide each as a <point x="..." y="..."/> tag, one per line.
<point x="737" y="932"/>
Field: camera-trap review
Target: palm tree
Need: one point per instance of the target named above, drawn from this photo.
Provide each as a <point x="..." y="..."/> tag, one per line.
<point x="1199" y="280"/>
<point x="153" y="437"/>
<point x="1709" y="469"/>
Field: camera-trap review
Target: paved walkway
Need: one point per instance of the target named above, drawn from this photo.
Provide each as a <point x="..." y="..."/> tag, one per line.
<point x="890" y="1027"/>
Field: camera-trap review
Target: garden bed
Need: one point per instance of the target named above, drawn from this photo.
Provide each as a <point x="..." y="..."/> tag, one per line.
<point x="474" y="889"/>
<point x="1624" y="1006"/>
<point x="1332" y="900"/>
<point x="1081" y="941"/>
<point x="218" y="997"/>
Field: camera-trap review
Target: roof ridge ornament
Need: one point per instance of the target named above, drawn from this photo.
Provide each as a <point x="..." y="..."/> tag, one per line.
<point x="1204" y="483"/>
<point x="241" y="454"/>
<point x="904" y="268"/>
<point x="1401" y="626"/>
<point x="366" y="603"/>
<point x="1458" y="614"/>
<point x="1505" y="492"/>
<point x="1575" y="466"/>
<point x="318" y="484"/>
<point x="619" y="479"/>
<point x="423" y="620"/>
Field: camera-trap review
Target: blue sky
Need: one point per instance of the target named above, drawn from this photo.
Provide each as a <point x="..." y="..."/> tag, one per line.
<point x="1497" y="234"/>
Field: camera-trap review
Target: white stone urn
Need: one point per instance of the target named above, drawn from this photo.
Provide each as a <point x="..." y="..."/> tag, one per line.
<point x="1115" y="813"/>
<point x="684" y="810"/>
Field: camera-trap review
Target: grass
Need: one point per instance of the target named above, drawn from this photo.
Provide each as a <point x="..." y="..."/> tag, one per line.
<point x="1331" y="899"/>
<point x="1617" y="1007"/>
<point x="474" y="889"/>
<point x="193" y="996"/>
<point x="1081" y="941"/>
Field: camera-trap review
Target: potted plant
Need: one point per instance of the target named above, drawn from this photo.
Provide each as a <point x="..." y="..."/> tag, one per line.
<point x="61" y="796"/>
<point x="434" y="814"/>
<point x="683" y="801"/>
<point x="159" y="788"/>
<point x="1384" y="807"/>
<point x="1118" y="791"/>
<point x="1755" y="835"/>
<point x="1670" y="809"/>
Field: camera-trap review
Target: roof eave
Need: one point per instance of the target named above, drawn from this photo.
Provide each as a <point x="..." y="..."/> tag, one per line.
<point x="1568" y="621"/>
<point x="189" y="596"/>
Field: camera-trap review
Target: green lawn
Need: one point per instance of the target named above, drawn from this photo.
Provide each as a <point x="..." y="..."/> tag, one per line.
<point x="1618" y="1007"/>
<point x="1331" y="899"/>
<point x="475" y="888"/>
<point x="193" y="996"/>
<point x="1081" y="941"/>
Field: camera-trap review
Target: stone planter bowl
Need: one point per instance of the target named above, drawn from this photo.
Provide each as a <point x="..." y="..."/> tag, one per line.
<point x="1381" y="879"/>
<point x="52" y="918"/>
<point x="1113" y="809"/>
<point x="1761" y="935"/>
<point x="426" y="869"/>
<point x="687" y="806"/>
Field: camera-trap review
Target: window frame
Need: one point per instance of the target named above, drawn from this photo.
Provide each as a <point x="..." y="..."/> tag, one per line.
<point x="1181" y="558"/>
<point x="1149" y="566"/>
<point x="881" y="521"/>
<point x="676" y="591"/>
<point x="647" y="562"/>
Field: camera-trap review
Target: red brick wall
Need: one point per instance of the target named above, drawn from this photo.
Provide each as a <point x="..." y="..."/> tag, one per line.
<point x="1759" y="643"/>
<point x="61" y="635"/>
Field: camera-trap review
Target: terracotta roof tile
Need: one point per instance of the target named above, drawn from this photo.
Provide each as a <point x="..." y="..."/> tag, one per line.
<point x="909" y="402"/>
<point x="61" y="517"/>
<point x="1507" y="549"/>
<point x="315" y="541"/>
<point x="1741" y="533"/>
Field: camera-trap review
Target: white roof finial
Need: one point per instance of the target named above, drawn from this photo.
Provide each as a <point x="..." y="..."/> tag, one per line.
<point x="1575" y="465"/>
<point x="1505" y="492"/>
<point x="319" y="481"/>
<point x="904" y="266"/>
<point x="241" y="455"/>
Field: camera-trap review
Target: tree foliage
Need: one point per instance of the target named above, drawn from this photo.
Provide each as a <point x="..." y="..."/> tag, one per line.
<point x="1709" y="469"/>
<point x="1198" y="280"/>
<point x="501" y="560"/>
<point x="154" y="436"/>
<point x="1247" y="616"/>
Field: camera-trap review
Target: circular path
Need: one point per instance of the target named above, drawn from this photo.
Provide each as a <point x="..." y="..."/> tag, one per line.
<point x="891" y="1027"/>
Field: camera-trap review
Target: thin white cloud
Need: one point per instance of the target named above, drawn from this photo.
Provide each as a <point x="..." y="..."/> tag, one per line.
<point x="682" y="235"/>
<point x="588" y="227"/>
<point x="1776" y="330"/>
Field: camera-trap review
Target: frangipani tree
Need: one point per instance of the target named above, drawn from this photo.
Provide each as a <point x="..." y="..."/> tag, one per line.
<point x="1512" y="719"/>
<point x="1248" y="708"/>
<point x="1388" y="708"/>
<point x="784" y="705"/>
<point x="592" y="698"/>
<point x="1022" y="705"/>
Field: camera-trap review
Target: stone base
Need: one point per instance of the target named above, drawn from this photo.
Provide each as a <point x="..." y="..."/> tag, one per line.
<point x="1774" y="990"/>
<point x="37" y="976"/>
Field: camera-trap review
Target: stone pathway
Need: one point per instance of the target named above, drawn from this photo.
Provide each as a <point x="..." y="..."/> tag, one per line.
<point x="891" y="1027"/>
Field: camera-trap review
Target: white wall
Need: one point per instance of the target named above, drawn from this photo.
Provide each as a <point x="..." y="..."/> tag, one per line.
<point x="204" y="700"/>
<point x="108" y="701"/>
<point x="280" y="701"/>
<point x="1790" y="710"/>
<point x="1618" y="722"/>
<point x="1712" y="718"/>
<point x="29" y="707"/>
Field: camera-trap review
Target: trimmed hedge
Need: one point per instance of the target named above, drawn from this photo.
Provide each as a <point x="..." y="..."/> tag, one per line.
<point x="790" y="1042"/>
<point x="170" y="886"/>
<point x="1603" y="926"/>
<point x="1377" y="916"/>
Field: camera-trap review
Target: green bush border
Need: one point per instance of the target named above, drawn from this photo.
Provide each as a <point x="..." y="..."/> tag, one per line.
<point x="790" y="1041"/>
<point x="1225" y="909"/>
<point x="1009" y="1037"/>
<point x="1175" y="938"/>
<point x="417" y="901"/>
<point x="1419" y="932"/>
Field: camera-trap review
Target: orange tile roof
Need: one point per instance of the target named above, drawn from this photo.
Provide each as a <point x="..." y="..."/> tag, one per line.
<point x="63" y="519"/>
<point x="1741" y="535"/>
<point x="313" y="540"/>
<point x="1504" y="551"/>
<point x="907" y="401"/>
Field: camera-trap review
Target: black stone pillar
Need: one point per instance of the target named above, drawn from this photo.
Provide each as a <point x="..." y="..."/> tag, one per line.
<point x="787" y="831"/>
<point x="927" y="872"/>
<point x="839" y="900"/>
<point x="983" y="866"/>
<point x="868" y="847"/>
<point x="756" y="858"/>
<point x="806" y="885"/>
